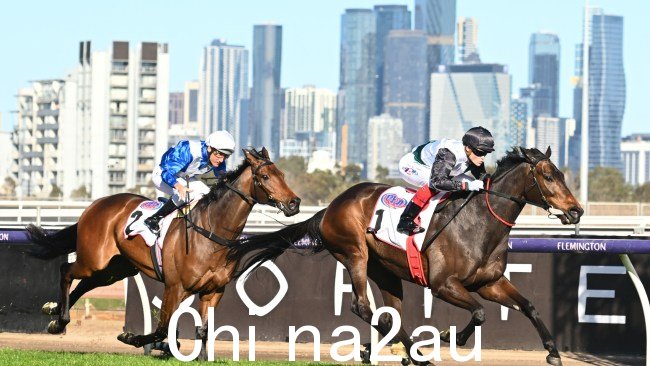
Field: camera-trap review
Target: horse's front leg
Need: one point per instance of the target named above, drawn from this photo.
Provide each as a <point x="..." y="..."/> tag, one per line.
<point x="453" y="292"/>
<point x="210" y="300"/>
<point x="171" y="299"/>
<point x="502" y="291"/>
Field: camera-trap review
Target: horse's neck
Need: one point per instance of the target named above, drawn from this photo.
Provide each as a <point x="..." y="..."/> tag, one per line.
<point x="231" y="211"/>
<point x="512" y="183"/>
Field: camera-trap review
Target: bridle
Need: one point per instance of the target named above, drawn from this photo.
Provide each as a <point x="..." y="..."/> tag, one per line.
<point x="248" y="199"/>
<point x="545" y="205"/>
<point x="257" y="185"/>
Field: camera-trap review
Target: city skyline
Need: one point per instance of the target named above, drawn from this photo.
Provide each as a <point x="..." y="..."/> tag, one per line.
<point x="310" y="41"/>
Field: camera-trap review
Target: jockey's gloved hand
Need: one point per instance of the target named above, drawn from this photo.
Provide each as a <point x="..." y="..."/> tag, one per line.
<point x="475" y="185"/>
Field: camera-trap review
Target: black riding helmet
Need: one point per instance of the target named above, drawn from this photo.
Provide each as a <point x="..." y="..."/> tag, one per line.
<point x="479" y="140"/>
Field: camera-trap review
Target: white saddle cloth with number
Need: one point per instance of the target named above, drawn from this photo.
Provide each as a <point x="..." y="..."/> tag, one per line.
<point x="135" y="224"/>
<point x="388" y="210"/>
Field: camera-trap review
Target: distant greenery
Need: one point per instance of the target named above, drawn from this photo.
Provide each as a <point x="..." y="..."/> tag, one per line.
<point x="43" y="358"/>
<point x="101" y="304"/>
<point x="321" y="186"/>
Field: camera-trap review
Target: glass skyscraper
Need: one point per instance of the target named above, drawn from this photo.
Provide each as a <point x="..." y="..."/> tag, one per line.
<point x="387" y="18"/>
<point x="223" y="84"/>
<point x="437" y="18"/>
<point x="266" y="95"/>
<point x="405" y="83"/>
<point x="606" y="90"/>
<point x="465" y="96"/>
<point x="357" y="83"/>
<point x="544" y="71"/>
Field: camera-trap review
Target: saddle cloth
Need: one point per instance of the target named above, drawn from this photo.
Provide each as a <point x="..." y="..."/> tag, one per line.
<point x="389" y="208"/>
<point x="135" y="226"/>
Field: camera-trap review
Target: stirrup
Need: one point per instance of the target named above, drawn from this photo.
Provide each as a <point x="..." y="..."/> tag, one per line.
<point x="410" y="229"/>
<point x="153" y="224"/>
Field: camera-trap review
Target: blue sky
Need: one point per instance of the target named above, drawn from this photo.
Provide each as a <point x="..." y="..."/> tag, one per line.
<point x="40" y="38"/>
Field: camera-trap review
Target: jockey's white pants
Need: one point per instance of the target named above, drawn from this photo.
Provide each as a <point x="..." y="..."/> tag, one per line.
<point x="413" y="172"/>
<point x="199" y="189"/>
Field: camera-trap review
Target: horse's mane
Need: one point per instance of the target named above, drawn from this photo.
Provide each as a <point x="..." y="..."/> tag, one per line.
<point x="218" y="189"/>
<point x="515" y="157"/>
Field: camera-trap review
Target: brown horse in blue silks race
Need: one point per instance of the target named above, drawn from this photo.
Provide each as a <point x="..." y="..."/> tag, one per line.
<point x="469" y="253"/>
<point x="193" y="255"/>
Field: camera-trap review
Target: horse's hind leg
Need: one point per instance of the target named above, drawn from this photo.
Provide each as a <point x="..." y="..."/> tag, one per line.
<point x="69" y="272"/>
<point x="118" y="269"/>
<point x="505" y="293"/>
<point x="453" y="292"/>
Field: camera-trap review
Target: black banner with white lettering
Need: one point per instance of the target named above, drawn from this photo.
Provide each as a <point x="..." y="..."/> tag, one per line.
<point x="587" y="301"/>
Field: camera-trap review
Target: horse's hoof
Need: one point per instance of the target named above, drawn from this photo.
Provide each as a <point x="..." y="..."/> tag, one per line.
<point x="406" y="361"/>
<point x="56" y="327"/>
<point x="445" y="336"/>
<point x="126" y="338"/>
<point x="365" y="354"/>
<point x="554" y="360"/>
<point x="50" y="308"/>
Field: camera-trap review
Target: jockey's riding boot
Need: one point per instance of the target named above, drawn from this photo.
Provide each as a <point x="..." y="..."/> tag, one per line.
<point x="153" y="222"/>
<point x="407" y="223"/>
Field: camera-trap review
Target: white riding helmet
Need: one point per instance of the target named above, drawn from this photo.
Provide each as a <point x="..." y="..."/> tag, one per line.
<point x="221" y="141"/>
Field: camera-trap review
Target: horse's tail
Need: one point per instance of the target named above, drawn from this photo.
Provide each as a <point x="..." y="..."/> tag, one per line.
<point x="52" y="245"/>
<point x="272" y="245"/>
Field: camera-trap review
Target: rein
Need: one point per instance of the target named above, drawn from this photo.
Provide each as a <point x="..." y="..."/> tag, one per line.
<point x="520" y="201"/>
<point x="437" y="233"/>
<point x="249" y="199"/>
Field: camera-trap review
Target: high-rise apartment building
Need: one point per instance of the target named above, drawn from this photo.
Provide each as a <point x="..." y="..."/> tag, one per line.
<point x="357" y="83"/>
<point x="308" y="121"/>
<point x="555" y="133"/>
<point x="119" y="100"/>
<point x="466" y="96"/>
<point x="42" y="138"/>
<point x="176" y="108"/>
<point x="387" y="18"/>
<point x="189" y="128"/>
<point x="468" y="40"/>
<point x="267" y="94"/>
<point x="544" y="73"/>
<point x="385" y="145"/>
<point x="405" y="83"/>
<point x="635" y="153"/>
<point x="223" y="84"/>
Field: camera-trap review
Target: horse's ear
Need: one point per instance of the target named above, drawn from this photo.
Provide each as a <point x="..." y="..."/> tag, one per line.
<point x="524" y="153"/>
<point x="250" y="156"/>
<point x="548" y="152"/>
<point x="265" y="153"/>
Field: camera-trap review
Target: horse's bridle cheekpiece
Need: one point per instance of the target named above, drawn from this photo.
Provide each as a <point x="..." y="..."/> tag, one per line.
<point x="546" y="206"/>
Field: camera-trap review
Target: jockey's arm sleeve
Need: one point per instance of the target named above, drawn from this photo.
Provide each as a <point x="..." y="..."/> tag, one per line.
<point x="440" y="170"/>
<point x="175" y="160"/>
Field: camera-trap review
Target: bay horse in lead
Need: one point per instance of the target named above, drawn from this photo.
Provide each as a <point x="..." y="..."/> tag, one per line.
<point x="105" y="256"/>
<point x="469" y="255"/>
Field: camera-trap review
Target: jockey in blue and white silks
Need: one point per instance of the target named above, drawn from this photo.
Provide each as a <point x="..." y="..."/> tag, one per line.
<point x="178" y="167"/>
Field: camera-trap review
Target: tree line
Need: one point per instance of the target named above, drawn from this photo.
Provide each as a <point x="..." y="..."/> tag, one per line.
<point x="321" y="186"/>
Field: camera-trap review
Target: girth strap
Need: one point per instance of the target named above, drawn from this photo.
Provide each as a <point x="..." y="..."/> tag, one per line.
<point x="154" y="259"/>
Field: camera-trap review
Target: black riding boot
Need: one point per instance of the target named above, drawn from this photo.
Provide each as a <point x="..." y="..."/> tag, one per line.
<point x="153" y="221"/>
<point x="407" y="223"/>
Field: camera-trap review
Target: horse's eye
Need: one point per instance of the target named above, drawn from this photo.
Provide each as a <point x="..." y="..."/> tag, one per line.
<point x="548" y="178"/>
<point x="265" y="177"/>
